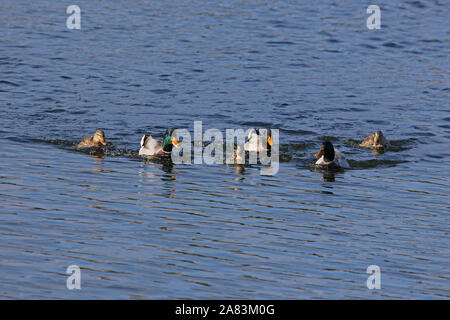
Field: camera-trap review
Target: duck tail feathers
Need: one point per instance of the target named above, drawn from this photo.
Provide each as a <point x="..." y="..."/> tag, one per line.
<point x="143" y="139"/>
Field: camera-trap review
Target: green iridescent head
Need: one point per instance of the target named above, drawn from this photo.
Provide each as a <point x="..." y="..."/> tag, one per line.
<point x="169" y="141"/>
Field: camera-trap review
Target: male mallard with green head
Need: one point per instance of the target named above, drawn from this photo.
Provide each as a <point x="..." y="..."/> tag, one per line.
<point x="254" y="144"/>
<point x="95" y="141"/>
<point x="255" y="141"/>
<point x="376" y="140"/>
<point x="329" y="157"/>
<point x="153" y="147"/>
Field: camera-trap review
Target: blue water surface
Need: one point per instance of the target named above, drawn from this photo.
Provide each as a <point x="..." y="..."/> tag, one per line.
<point x="139" y="229"/>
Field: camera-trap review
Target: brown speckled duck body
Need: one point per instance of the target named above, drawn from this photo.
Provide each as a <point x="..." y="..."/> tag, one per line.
<point x="376" y="140"/>
<point x="97" y="140"/>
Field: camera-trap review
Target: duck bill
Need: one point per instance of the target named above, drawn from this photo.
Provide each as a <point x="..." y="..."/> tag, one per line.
<point x="320" y="153"/>
<point x="104" y="143"/>
<point x="175" y="142"/>
<point x="269" y="141"/>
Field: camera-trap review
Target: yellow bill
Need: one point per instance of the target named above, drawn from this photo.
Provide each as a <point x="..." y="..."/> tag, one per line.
<point x="175" y="142"/>
<point x="269" y="140"/>
<point x="320" y="153"/>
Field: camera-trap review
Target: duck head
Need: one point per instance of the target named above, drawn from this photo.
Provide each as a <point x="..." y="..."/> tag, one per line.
<point x="255" y="134"/>
<point x="379" y="138"/>
<point x="169" y="141"/>
<point x="327" y="151"/>
<point x="269" y="139"/>
<point x="99" y="137"/>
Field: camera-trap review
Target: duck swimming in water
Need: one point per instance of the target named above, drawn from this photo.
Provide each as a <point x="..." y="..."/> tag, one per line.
<point x="95" y="141"/>
<point x="329" y="157"/>
<point x="153" y="147"/>
<point x="376" y="140"/>
<point x="237" y="155"/>
<point x="254" y="144"/>
<point x="255" y="141"/>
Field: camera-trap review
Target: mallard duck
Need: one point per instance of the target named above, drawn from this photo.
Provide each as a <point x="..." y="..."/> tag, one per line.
<point x="255" y="141"/>
<point x="153" y="147"/>
<point x="96" y="140"/>
<point x="237" y="155"/>
<point x="376" y="140"/>
<point x="254" y="144"/>
<point x="330" y="157"/>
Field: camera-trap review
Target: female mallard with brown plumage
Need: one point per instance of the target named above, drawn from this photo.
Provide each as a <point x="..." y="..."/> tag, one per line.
<point x="376" y="140"/>
<point x="95" y="141"/>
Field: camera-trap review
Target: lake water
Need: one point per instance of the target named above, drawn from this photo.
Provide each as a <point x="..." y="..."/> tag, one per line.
<point x="139" y="229"/>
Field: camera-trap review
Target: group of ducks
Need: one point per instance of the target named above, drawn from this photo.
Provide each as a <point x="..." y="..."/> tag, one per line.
<point x="328" y="156"/>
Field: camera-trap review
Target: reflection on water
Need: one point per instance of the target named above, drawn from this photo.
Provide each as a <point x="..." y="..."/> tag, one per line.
<point x="378" y="151"/>
<point x="240" y="169"/>
<point x="98" y="163"/>
<point x="167" y="168"/>
<point x="148" y="229"/>
<point x="329" y="176"/>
